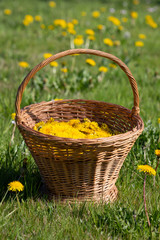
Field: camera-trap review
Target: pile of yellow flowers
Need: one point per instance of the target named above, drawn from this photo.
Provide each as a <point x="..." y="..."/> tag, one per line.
<point x="74" y="129"/>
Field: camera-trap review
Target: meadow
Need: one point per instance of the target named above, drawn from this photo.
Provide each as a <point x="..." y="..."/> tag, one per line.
<point x="34" y="30"/>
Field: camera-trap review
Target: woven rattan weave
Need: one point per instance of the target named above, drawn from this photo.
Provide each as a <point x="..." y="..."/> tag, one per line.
<point x="81" y="169"/>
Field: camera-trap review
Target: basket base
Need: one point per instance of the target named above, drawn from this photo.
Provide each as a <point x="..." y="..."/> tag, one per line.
<point x="109" y="196"/>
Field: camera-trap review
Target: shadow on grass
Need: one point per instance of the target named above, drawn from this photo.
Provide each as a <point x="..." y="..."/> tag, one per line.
<point x="12" y="168"/>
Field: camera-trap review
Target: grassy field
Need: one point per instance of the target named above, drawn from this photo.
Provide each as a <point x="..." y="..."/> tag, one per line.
<point x="29" y="215"/>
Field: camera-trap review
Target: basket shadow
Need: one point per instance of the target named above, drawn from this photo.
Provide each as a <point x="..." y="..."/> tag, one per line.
<point x="33" y="186"/>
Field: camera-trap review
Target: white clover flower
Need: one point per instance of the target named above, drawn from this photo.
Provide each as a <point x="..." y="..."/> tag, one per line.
<point x="112" y="10"/>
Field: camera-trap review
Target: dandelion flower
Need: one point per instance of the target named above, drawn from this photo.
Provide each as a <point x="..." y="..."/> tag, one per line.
<point x="23" y="64"/>
<point x="120" y="28"/>
<point x="124" y="19"/>
<point x="78" y="41"/>
<point x="150" y="21"/>
<point x="13" y="115"/>
<point x="75" y="21"/>
<point x="71" y="31"/>
<point x="147" y="169"/>
<point x="134" y="14"/>
<point x="64" y="34"/>
<point x="114" y="20"/>
<point x="157" y="152"/>
<point x="83" y="13"/>
<point x="103" y="69"/>
<point x="112" y="65"/>
<point x="29" y="18"/>
<point x="58" y="99"/>
<point x="52" y="4"/>
<point x="90" y="61"/>
<point x="117" y="43"/>
<point x="60" y="22"/>
<point x="70" y="25"/>
<point x="15" y="186"/>
<point x="158" y="120"/>
<point x="100" y="27"/>
<point x="90" y="32"/>
<point x="7" y="12"/>
<point x="96" y="14"/>
<point x="47" y="55"/>
<point x="64" y="70"/>
<point x="139" y="44"/>
<point x="102" y="9"/>
<point x="54" y="64"/>
<point x="43" y="26"/>
<point x="38" y="18"/>
<point x="142" y="36"/>
<point x="92" y="38"/>
<point x="135" y="2"/>
<point x="108" y="41"/>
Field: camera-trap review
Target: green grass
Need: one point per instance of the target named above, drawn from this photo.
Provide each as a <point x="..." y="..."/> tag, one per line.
<point x="33" y="216"/>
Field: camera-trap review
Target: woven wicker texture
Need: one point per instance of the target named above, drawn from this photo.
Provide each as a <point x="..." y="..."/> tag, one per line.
<point x="81" y="169"/>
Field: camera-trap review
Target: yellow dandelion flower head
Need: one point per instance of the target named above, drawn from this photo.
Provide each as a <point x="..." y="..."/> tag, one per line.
<point x="23" y="64"/>
<point x="134" y="14"/>
<point x="96" y="14"/>
<point x="135" y="2"/>
<point x="103" y="9"/>
<point x="7" y="12"/>
<point x="90" y="32"/>
<point x="100" y="27"/>
<point x="158" y="120"/>
<point x="79" y="36"/>
<point x="124" y="19"/>
<point x="157" y="152"/>
<point x="64" y="33"/>
<point x="114" y="20"/>
<point x="50" y="27"/>
<point x="91" y="62"/>
<point x="38" y="18"/>
<point x="25" y="22"/>
<point x="70" y="25"/>
<point x="147" y="169"/>
<point x="71" y="31"/>
<point x="29" y="18"/>
<point x="47" y="55"/>
<point x="13" y="116"/>
<point x="64" y="70"/>
<point x="150" y="21"/>
<point x="92" y="38"/>
<point x="52" y="4"/>
<point x="103" y="69"/>
<point x="108" y="42"/>
<point x="139" y="44"/>
<point x="54" y="64"/>
<point x="15" y="186"/>
<point x="120" y="28"/>
<point x="142" y="36"/>
<point x="60" y="22"/>
<point x="43" y="26"/>
<point x="75" y="21"/>
<point x="78" y="41"/>
<point x="112" y="65"/>
<point x="83" y="13"/>
<point x="117" y="43"/>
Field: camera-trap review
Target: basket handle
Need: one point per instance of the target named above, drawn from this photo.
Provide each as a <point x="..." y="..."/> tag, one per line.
<point x="135" y="109"/>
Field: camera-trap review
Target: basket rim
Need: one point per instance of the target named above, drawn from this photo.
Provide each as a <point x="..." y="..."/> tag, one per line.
<point x="114" y="138"/>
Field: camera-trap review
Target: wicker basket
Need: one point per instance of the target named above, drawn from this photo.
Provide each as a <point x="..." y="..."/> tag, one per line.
<point x="81" y="169"/>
